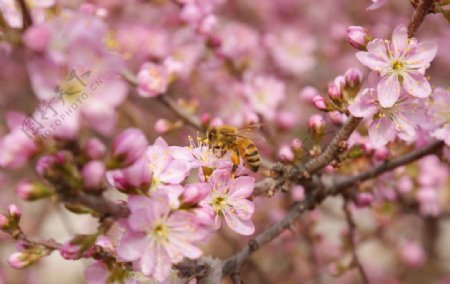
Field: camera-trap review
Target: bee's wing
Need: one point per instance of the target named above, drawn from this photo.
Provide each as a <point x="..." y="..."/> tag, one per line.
<point x="249" y="132"/>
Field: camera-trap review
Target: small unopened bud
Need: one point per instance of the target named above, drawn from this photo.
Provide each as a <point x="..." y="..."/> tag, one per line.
<point x="335" y="93"/>
<point x="298" y="193"/>
<point x="285" y="154"/>
<point x="20" y="260"/>
<point x="93" y="173"/>
<point x="337" y="118"/>
<point x="79" y="246"/>
<point x="43" y="164"/>
<point x="363" y="199"/>
<point x="205" y="118"/>
<point x="28" y="190"/>
<point x="307" y="94"/>
<point x="163" y="125"/>
<point x="37" y="37"/>
<point x="319" y="102"/>
<point x="4" y="222"/>
<point x="316" y="126"/>
<point x="94" y="148"/>
<point x="14" y="212"/>
<point x="381" y="154"/>
<point x="128" y="147"/>
<point x="251" y="118"/>
<point x="296" y="144"/>
<point x="353" y="78"/>
<point x="358" y="37"/>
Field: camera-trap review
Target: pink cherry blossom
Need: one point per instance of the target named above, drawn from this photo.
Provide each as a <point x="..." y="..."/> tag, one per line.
<point x="156" y="237"/>
<point x="228" y="200"/>
<point x="386" y="123"/>
<point x="153" y="80"/>
<point x="400" y="62"/>
<point x="438" y="111"/>
<point x="264" y="95"/>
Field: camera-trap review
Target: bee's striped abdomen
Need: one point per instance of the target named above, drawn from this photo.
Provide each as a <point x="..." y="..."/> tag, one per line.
<point x="251" y="155"/>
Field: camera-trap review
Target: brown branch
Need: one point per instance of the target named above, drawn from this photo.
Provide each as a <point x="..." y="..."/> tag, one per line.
<point x="27" y="20"/>
<point x="100" y="204"/>
<point x="187" y="117"/>
<point x="352" y="240"/>
<point x="184" y="115"/>
<point x="425" y="7"/>
<point x="336" y="145"/>
<point x="316" y="191"/>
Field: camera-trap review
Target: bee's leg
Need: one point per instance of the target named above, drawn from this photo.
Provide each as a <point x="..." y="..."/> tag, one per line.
<point x="236" y="160"/>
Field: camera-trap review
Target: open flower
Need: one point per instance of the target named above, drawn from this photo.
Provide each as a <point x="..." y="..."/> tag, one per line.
<point x="156" y="237"/>
<point x="401" y="62"/>
<point x="228" y="199"/>
<point x="438" y="111"/>
<point x="401" y="119"/>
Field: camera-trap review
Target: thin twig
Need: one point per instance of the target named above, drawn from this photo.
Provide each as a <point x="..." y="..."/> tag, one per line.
<point x="27" y="20"/>
<point x="352" y="240"/>
<point x="316" y="192"/>
<point x="418" y="16"/>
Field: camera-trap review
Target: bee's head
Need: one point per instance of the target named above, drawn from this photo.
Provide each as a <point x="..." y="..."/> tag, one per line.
<point x="211" y="134"/>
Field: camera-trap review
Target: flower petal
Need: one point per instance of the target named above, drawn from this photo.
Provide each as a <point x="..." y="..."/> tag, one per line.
<point x="243" y="227"/>
<point x="219" y="180"/>
<point x="416" y="84"/>
<point x="388" y="90"/>
<point x="175" y="172"/>
<point x="381" y="131"/>
<point x="132" y="246"/>
<point x="399" y="40"/>
<point x="243" y="208"/>
<point x="421" y="55"/>
<point x="242" y="187"/>
<point x="364" y="105"/>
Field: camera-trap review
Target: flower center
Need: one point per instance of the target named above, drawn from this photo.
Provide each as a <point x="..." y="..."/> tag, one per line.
<point x="160" y="232"/>
<point x="219" y="203"/>
<point x="397" y="65"/>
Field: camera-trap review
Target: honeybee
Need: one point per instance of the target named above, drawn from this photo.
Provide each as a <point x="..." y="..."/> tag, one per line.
<point x="238" y="142"/>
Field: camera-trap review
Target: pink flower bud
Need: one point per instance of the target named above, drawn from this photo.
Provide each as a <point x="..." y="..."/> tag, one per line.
<point x="353" y="78"/>
<point x="153" y="80"/>
<point x="18" y="260"/>
<point x="205" y="118"/>
<point x="251" y="118"/>
<point x="298" y="193"/>
<point x="137" y="176"/>
<point x="70" y="251"/>
<point x="412" y="254"/>
<point x="14" y="212"/>
<point x="37" y="38"/>
<point x="163" y="125"/>
<point x="285" y="154"/>
<point x="405" y="184"/>
<point x="319" y="102"/>
<point x="94" y="148"/>
<point x="337" y="117"/>
<point x="296" y="144"/>
<point x="307" y="94"/>
<point x="285" y="120"/>
<point x="316" y="124"/>
<point x="4" y="222"/>
<point x="43" y="164"/>
<point x="335" y="92"/>
<point x="28" y="190"/>
<point x="363" y="199"/>
<point x="93" y="173"/>
<point x="381" y="154"/>
<point x="129" y="146"/>
<point x="358" y="37"/>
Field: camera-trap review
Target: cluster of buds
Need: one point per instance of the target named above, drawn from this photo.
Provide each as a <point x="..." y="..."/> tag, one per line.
<point x="9" y="223"/>
<point x="79" y="246"/>
<point x="28" y="256"/>
<point x="341" y="91"/>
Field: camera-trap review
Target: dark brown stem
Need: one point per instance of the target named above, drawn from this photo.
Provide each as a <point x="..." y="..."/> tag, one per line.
<point x="27" y="20"/>
<point x="419" y="15"/>
<point x="352" y="240"/>
<point x="317" y="190"/>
